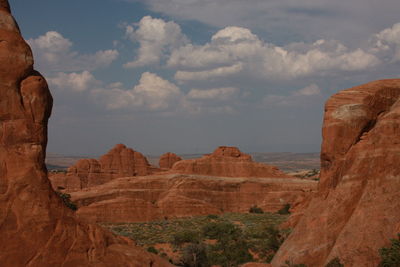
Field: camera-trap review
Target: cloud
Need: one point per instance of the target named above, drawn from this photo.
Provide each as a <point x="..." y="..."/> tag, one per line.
<point x="387" y="43"/>
<point x="53" y="54"/>
<point x="225" y="93"/>
<point x="300" y="98"/>
<point x="284" y="20"/>
<point x="73" y="81"/>
<point x="244" y="52"/>
<point x="182" y="76"/>
<point x="152" y="93"/>
<point x="155" y="37"/>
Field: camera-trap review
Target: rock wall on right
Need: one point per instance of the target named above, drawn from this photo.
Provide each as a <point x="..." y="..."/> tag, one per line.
<point x="357" y="207"/>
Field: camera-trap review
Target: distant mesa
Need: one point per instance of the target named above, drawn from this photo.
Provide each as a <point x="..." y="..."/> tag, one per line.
<point x="227" y="162"/>
<point x="120" y="161"/>
<point x="168" y="160"/>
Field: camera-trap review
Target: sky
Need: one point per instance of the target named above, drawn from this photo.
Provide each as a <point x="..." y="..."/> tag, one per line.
<point x="187" y="76"/>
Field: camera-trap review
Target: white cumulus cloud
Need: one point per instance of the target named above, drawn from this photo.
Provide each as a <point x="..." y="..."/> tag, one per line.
<point x="53" y="52"/>
<point x="155" y="37"/>
<point x="152" y="93"/>
<point x="245" y="52"/>
<point x="73" y="81"/>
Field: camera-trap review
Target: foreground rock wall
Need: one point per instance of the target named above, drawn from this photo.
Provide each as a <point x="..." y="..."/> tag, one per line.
<point x="227" y="162"/>
<point x="159" y="196"/>
<point x="356" y="210"/>
<point x="36" y="229"/>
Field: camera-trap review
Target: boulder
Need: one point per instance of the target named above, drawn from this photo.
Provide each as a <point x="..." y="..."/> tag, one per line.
<point x="167" y="160"/>
<point x="36" y="228"/>
<point x="227" y="162"/>
<point x="356" y="209"/>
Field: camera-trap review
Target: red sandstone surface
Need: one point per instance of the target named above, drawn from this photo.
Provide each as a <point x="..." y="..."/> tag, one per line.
<point x="167" y="160"/>
<point x="36" y="229"/>
<point x="356" y="209"/>
<point x="133" y="199"/>
<point x="227" y="162"/>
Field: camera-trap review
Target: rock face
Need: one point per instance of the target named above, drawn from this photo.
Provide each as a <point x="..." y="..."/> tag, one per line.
<point x="227" y="162"/>
<point x="147" y="198"/>
<point x="356" y="209"/>
<point x="118" y="162"/>
<point x="167" y="160"/>
<point x="36" y="229"/>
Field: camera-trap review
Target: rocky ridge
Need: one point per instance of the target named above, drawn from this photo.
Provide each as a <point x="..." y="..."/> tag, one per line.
<point x="227" y="162"/>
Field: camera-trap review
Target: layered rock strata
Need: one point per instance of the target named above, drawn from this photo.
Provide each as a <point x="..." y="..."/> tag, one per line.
<point x="166" y="196"/>
<point x="36" y="229"/>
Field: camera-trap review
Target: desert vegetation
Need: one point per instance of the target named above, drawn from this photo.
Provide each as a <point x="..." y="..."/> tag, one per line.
<point x="226" y="240"/>
<point x="390" y="256"/>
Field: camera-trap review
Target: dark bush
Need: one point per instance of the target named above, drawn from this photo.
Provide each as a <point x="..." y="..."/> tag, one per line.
<point x="285" y="210"/>
<point x="229" y="252"/>
<point x="390" y="257"/>
<point x="152" y="250"/>
<point x="212" y="216"/>
<point x="255" y="209"/>
<point x="66" y="198"/>
<point x="335" y="262"/>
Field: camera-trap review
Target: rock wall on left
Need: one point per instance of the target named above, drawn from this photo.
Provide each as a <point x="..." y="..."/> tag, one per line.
<point x="36" y="229"/>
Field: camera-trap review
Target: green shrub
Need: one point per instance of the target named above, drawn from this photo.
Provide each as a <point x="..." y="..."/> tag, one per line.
<point x="335" y="263"/>
<point x="390" y="257"/>
<point x="220" y="230"/>
<point x="255" y="209"/>
<point x="66" y="198"/>
<point x="187" y="236"/>
<point x="285" y="210"/>
<point x="152" y="250"/>
<point x="229" y="252"/>
<point x="212" y="216"/>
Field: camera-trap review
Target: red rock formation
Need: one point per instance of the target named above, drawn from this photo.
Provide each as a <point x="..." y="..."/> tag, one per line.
<point x="167" y="160"/>
<point x="227" y="162"/>
<point x="356" y="209"/>
<point x="155" y="197"/>
<point x="36" y="229"/>
<point x="118" y="162"/>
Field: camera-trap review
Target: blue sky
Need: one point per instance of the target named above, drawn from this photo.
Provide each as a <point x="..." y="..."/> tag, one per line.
<point x="189" y="75"/>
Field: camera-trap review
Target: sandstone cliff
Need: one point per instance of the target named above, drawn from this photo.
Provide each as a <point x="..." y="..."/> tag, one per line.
<point x="356" y="209"/>
<point x="36" y="229"/>
<point x="227" y="162"/>
<point x="168" y="160"/>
